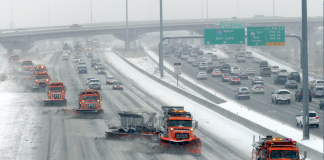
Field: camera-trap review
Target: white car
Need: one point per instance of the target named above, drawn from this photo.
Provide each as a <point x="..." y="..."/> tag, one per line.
<point x="250" y="71"/>
<point x="203" y="66"/>
<point x="281" y="95"/>
<point x="274" y="69"/>
<point x="202" y="75"/>
<point x="313" y="119"/>
<point x="216" y="72"/>
<point x="222" y="60"/>
<point x="316" y="83"/>
<point x="240" y="58"/>
<point x="193" y="54"/>
<point x="258" y="88"/>
<point x="317" y="91"/>
<point x="248" y="54"/>
<point x="235" y="70"/>
<point x="256" y="60"/>
<point x="190" y="60"/>
<point x="184" y="56"/>
<point x="283" y="72"/>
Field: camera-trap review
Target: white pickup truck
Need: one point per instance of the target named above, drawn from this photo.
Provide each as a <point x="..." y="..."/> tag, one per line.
<point x="281" y="95"/>
<point x="184" y="56"/>
<point x="240" y="58"/>
<point x="313" y="119"/>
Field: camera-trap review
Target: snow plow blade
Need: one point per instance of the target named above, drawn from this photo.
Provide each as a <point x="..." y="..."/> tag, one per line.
<point x="193" y="147"/>
<point x="54" y="102"/>
<point x="90" y="113"/>
<point x="152" y="137"/>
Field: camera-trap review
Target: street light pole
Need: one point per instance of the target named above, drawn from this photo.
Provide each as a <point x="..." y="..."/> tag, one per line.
<point x="49" y="17"/>
<point x="305" y="72"/>
<point x="161" y="41"/>
<point x="273" y="8"/>
<point x="207" y="9"/>
<point x="126" y="43"/>
<point x="91" y="9"/>
<point x="11" y="24"/>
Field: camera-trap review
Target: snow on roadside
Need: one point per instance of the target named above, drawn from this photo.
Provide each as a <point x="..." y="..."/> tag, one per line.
<point x="20" y="116"/>
<point x="211" y="121"/>
<point x="219" y="53"/>
<point x="244" y="111"/>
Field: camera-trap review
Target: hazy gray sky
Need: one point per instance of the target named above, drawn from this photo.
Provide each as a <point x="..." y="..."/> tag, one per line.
<point x="34" y="13"/>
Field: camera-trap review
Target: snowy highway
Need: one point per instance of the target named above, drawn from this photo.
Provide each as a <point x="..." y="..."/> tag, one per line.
<point x="61" y="136"/>
<point x="258" y="102"/>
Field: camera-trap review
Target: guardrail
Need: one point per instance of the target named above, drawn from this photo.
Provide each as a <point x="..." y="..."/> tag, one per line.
<point x="232" y="116"/>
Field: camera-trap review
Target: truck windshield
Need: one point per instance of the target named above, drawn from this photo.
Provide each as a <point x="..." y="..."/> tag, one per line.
<point x="27" y="64"/>
<point x="40" y="70"/>
<point x="56" y="89"/>
<point x="180" y="123"/>
<point x="41" y="77"/>
<point x="280" y="154"/>
<point x="90" y="98"/>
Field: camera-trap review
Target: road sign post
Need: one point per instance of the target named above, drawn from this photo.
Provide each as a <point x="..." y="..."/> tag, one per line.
<point x="225" y="36"/>
<point x="266" y="36"/>
<point x="177" y="70"/>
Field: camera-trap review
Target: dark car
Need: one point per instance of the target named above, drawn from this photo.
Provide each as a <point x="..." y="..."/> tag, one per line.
<point x="226" y="68"/>
<point x="97" y="65"/>
<point x="110" y="80"/>
<point x="225" y="77"/>
<point x="90" y="55"/>
<point x="243" y="75"/>
<point x="263" y="64"/>
<point x="217" y="64"/>
<point x="294" y="76"/>
<point x="265" y="71"/>
<point x="280" y="79"/>
<point x="234" y="80"/>
<point x="83" y="69"/>
<point x="299" y="95"/>
<point x="209" y="69"/>
<point x="118" y="86"/>
<point x="94" y="61"/>
<point x="291" y="84"/>
<point x="257" y="80"/>
<point x="242" y="92"/>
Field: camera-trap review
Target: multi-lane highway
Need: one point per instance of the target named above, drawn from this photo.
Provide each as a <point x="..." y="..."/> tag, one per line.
<point x="285" y="113"/>
<point x="66" y="137"/>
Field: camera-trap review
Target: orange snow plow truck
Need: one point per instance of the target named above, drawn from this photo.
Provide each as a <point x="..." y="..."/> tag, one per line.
<point x="275" y="149"/>
<point x="38" y="69"/>
<point x="14" y="59"/>
<point x="174" y="129"/>
<point x="27" y="66"/>
<point x="42" y="80"/>
<point x="89" y="105"/>
<point x="56" y="94"/>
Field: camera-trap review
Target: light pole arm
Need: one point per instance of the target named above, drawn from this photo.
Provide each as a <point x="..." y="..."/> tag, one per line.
<point x="301" y="46"/>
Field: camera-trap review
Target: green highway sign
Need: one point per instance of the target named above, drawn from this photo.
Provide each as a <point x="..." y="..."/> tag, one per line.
<point x="224" y="36"/>
<point x="266" y="36"/>
<point x="231" y="25"/>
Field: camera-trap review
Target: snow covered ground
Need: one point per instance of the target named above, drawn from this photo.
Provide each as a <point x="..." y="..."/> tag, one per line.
<point x="216" y="124"/>
<point x="20" y="116"/>
<point x="244" y="111"/>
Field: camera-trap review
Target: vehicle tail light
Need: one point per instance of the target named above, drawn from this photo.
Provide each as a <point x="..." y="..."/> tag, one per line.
<point x="246" y="75"/>
<point x="311" y="94"/>
<point x="239" y="79"/>
<point x="290" y="77"/>
<point x="225" y="77"/>
<point x="208" y="68"/>
<point x="235" y="78"/>
<point x="316" y="117"/>
<point x="240" y="75"/>
<point x="248" y="93"/>
<point x="259" y="87"/>
<point x="288" y="83"/>
<point x="220" y="72"/>
<point x="214" y="72"/>
<point x="300" y="94"/>
<point x="254" y="87"/>
<point x="239" y="93"/>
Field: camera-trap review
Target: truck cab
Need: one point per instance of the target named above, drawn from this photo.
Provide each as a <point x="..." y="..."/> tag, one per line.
<point x="42" y="80"/>
<point x="14" y="59"/>
<point x="55" y="93"/>
<point x="275" y="149"/>
<point x="27" y="65"/>
<point x="89" y="102"/>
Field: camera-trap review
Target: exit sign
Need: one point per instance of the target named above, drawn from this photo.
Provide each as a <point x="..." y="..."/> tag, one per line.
<point x="266" y="36"/>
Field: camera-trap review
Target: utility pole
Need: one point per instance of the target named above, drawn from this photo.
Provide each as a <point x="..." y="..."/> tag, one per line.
<point x="305" y="72"/>
<point x="161" y="41"/>
<point x="91" y="9"/>
<point x="126" y="43"/>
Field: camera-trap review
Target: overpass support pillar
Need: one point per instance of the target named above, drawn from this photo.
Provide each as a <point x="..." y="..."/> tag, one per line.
<point x="191" y="41"/>
<point x="24" y="52"/>
<point x="10" y="52"/>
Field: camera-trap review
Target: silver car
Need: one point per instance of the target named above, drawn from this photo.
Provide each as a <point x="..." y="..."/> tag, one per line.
<point x="256" y="60"/>
<point x="101" y="70"/>
<point x="190" y="60"/>
<point x="195" y="63"/>
<point x="216" y="72"/>
<point x="88" y="80"/>
<point x="95" y="84"/>
<point x="202" y="75"/>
